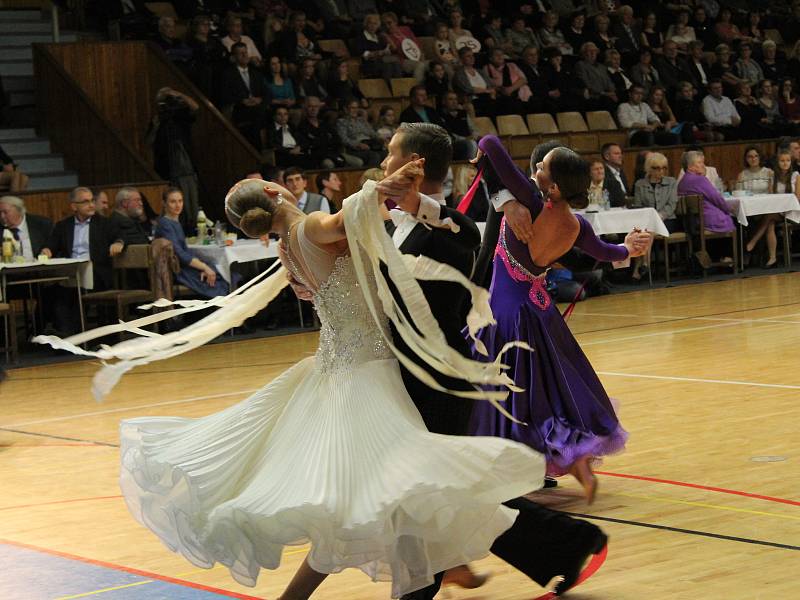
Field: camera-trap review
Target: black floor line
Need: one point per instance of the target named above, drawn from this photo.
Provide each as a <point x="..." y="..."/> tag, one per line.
<point x="718" y="536"/>
<point x="58" y="437"/>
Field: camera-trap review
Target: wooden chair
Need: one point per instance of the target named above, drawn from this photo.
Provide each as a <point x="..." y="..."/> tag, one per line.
<point x="542" y="123"/>
<point x="401" y="86"/>
<point x="600" y="120"/>
<point x="678" y="238"/>
<point x="694" y="211"/>
<point x="336" y="47"/>
<point x="374" y="88"/>
<point x="10" y="320"/>
<point x="775" y="36"/>
<point x="511" y="125"/>
<point x="135" y="256"/>
<point x="584" y="142"/>
<point x="571" y="121"/>
<point x="485" y="126"/>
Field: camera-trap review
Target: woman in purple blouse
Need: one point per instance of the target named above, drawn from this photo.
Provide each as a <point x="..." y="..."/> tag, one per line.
<point x="564" y="411"/>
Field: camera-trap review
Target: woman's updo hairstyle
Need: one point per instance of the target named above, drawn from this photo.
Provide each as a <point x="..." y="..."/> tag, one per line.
<point x="572" y="176"/>
<point x="249" y="208"/>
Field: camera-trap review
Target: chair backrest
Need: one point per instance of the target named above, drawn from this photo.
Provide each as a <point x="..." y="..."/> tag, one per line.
<point x="161" y="9"/>
<point x="337" y="47"/>
<point x="693" y="205"/>
<point x="584" y="142"/>
<point x="376" y="104"/>
<point x="571" y="121"/>
<point x="542" y="123"/>
<point x="135" y="256"/>
<point x="511" y="125"/>
<point x="401" y="86"/>
<point x="775" y="36"/>
<point x="374" y="88"/>
<point x="600" y="120"/>
<point x="485" y="126"/>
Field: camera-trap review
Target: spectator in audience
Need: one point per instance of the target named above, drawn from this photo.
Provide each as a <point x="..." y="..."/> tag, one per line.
<point x="174" y="47"/>
<point x="134" y="18"/>
<point x="437" y="83"/>
<point x="651" y="37"/>
<point x="298" y="41"/>
<point x="602" y="37"/>
<point x="244" y="89"/>
<point x="755" y="177"/>
<point x="627" y="32"/>
<point x="358" y="136"/>
<point x="773" y="67"/>
<point x="746" y="68"/>
<point x="639" y="172"/>
<point x="767" y="101"/>
<point x="575" y="33"/>
<point x="567" y="90"/>
<point x="342" y="88"/>
<point x="704" y="29"/>
<point x="101" y="205"/>
<point x="724" y="70"/>
<point x="421" y="16"/>
<point x="710" y="172"/>
<point x="31" y="231"/>
<point x="308" y="202"/>
<point x="672" y="69"/>
<point x="616" y="183"/>
<point x="397" y="34"/>
<point x="492" y="35"/>
<point x="687" y="110"/>
<point x="520" y="36"/>
<point x="82" y="235"/>
<point x="308" y="83"/>
<point x="598" y="193"/>
<point x="418" y="110"/>
<point x="646" y="129"/>
<point x="335" y="16"/>
<point x="726" y="30"/>
<point x="754" y="117"/>
<point x="543" y="99"/>
<point x="319" y="139"/>
<point x="595" y="77"/>
<point x="508" y="80"/>
<point x="444" y="48"/>
<point x="460" y="127"/>
<point x="643" y="72"/>
<point x="720" y="112"/>
<point x="357" y="10"/>
<point x="550" y="36"/>
<point x="329" y="185"/>
<point x="194" y="274"/>
<point x="681" y="32"/>
<point x="377" y="60"/>
<point x="716" y="213"/>
<point x="129" y="217"/>
<point x="387" y="123"/>
<point x="12" y="179"/>
<point x="783" y="181"/>
<point x="698" y="67"/>
<point x="371" y="174"/>
<point x="788" y="103"/>
<point x="657" y="100"/>
<point x="658" y="190"/>
<point x="790" y="28"/>
<point x="285" y="141"/>
<point x="208" y="55"/>
<point x="753" y="30"/>
<point x="470" y="82"/>
<point x="622" y="82"/>
<point x="281" y="90"/>
<point x="171" y="135"/>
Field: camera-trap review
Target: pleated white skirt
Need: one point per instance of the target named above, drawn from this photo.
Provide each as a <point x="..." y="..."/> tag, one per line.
<point x="341" y="460"/>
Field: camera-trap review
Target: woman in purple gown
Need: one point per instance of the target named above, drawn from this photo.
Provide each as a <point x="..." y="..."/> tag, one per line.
<point x="564" y="411"/>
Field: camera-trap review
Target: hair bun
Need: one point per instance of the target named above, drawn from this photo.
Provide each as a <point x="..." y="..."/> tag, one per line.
<point x="256" y="222"/>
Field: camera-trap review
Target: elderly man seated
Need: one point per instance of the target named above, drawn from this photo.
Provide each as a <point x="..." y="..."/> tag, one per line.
<point x="31" y="231"/>
<point x="716" y="213"/>
<point x="129" y="217"/>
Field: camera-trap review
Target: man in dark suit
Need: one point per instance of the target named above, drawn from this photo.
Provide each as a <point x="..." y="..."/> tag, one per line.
<point x="615" y="181"/>
<point x="31" y="231"/>
<point x="244" y="89"/>
<point x="627" y="34"/>
<point x="418" y="110"/>
<point x="287" y="143"/>
<point x="541" y="543"/>
<point x="83" y="235"/>
<point x="671" y="68"/>
<point x="127" y="216"/>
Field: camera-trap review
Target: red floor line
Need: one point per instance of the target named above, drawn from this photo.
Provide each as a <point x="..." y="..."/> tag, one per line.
<point x="139" y="572"/>
<point x="702" y="487"/>
<point x="59" y="502"/>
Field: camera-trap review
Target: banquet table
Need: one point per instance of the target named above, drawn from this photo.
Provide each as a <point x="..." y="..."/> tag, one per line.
<point x="765" y="204"/>
<point x="242" y="251"/>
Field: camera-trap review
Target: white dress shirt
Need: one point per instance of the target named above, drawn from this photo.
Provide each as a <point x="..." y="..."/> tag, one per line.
<point x="719" y="111"/>
<point x="429" y="213"/>
<point x="80" y="239"/>
<point x="244" y="73"/>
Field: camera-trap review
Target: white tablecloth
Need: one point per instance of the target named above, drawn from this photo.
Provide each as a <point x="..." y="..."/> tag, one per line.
<point x="222" y="257"/>
<point x="52" y="267"/>
<point x="623" y="220"/>
<point x="765" y="204"/>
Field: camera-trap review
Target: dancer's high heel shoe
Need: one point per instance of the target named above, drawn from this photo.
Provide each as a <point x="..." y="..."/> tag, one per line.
<point x="464" y="577"/>
<point x="582" y="471"/>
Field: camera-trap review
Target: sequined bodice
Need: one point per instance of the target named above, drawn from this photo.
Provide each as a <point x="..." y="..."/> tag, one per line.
<point x="349" y="335"/>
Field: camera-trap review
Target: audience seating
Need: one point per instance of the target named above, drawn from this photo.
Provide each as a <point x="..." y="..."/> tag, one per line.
<point x="374" y="88"/>
<point x="162" y="9"/>
<point x="678" y="238"/>
<point x="336" y="47"/>
<point x="9" y="318"/>
<point x="600" y="120"/>
<point x="522" y="145"/>
<point x="542" y="123"/>
<point x="694" y="209"/>
<point x="401" y="86"/>
<point x="511" y="125"/>
<point x="583" y="142"/>
<point x="571" y="121"/>
<point x="485" y="126"/>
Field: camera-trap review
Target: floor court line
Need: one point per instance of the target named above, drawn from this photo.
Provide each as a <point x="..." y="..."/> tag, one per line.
<point x="782" y="386"/>
<point x="760" y="513"/>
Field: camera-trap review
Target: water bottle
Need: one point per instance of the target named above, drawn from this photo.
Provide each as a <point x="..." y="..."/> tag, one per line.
<point x="201" y="227"/>
<point x="606" y="203"/>
<point x="8" y="246"/>
<point x="219" y="233"/>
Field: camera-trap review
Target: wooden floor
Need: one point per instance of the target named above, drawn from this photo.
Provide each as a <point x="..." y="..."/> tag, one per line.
<point x="705" y="502"/>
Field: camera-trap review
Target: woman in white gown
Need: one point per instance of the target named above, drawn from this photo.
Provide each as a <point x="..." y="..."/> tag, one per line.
<point x="331" y="452"/>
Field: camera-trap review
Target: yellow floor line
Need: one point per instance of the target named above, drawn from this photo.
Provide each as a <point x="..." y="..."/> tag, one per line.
<point x="704" y="505"/>
<point x="111" y="589"/>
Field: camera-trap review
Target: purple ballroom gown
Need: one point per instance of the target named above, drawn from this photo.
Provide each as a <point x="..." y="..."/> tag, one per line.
<point x="565" y="410"/>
